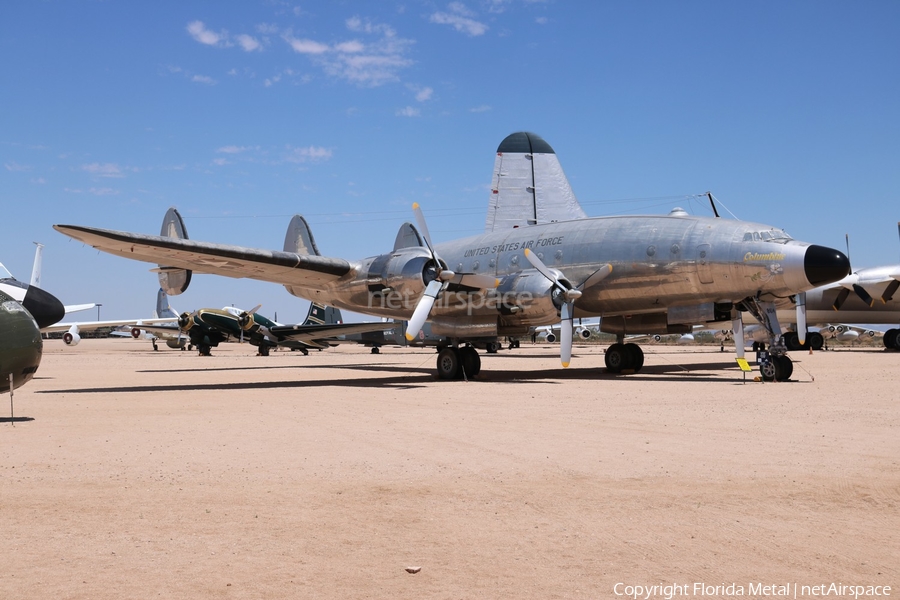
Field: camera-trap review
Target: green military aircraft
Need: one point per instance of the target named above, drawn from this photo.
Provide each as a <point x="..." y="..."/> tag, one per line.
<point x="20" y="344"/>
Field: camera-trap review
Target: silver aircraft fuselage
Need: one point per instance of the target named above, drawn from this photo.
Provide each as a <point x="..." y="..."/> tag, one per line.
<point x="669" y="263"/>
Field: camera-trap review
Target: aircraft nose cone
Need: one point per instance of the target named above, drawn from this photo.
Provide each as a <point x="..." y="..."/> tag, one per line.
<point x="825" y="265"/>
<point x="43" y="306"/>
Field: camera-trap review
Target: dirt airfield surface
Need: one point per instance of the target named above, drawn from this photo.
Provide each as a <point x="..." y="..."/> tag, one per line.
<point x="129" y="473"/>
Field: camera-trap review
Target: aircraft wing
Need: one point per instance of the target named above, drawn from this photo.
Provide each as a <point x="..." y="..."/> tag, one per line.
<point x="320" y="335"/>
<point x="286" y="268"/>
<point x="169" y="328"/>
<point x="90" y="325"/>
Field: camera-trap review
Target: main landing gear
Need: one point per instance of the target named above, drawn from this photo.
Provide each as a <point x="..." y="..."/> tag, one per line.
<point x="892" y="339"/>
<point x="777" y="367"/>
<point x="624" y="357"/>
<point x="458" y="363"/>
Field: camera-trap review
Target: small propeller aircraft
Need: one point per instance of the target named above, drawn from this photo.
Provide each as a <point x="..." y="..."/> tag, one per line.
<point x="643" y="274"/>
<point x="208" y="327"/>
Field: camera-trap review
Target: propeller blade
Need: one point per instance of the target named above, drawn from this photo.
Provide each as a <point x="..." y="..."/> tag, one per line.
<point x="423" y="308"/>
<point x="888" y="294"/>
<point x="839" y="301"/>
<point x="737" y="326"/>
<point x="863" y="295"/>
<point x="801" y="318"/>
<point x="253" y="310"/>
<point x="423" y="227"/>
<point x="598" y="276"/>
<point x="565" y="334"/>
<point x="538" y="264"/>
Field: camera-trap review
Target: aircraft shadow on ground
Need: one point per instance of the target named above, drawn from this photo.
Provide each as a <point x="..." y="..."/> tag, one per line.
<point x="406" y="381"/>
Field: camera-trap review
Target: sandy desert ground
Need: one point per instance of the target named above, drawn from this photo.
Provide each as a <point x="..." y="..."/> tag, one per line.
<point x="129" y="473"/>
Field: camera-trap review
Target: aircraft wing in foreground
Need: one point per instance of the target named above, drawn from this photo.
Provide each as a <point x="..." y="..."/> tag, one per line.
<point x="643" y="274"/>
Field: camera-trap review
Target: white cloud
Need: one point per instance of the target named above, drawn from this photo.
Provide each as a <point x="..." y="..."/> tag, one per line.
<point x="307" y="154"/>
<point x="232" y="149"/>
<point x="364" y="62"/>
<point x="542" y="20"/>
<point x="203" y="79"/>
<point x="16" y="167"/>
<point x="220" y="162"/>
<point x="306" y="46"/>
<point x="103" y="170"/>
<point x="103" y="191"/>
<point x="248" y="43"/>
<point x="482" y="108"/>
<point x="203" y="35"/>
<point x="423" y="94"/>
<point x="409" y="111"/>
<point x="459" y="19"/>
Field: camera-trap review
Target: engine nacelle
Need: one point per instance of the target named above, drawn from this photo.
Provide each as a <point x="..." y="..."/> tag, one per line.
<point x="551" y="337"/>
<point x="136" y="332"/>
<point x="176" y="343"/>
<point x="396" y="280"/>
<point x="847" y="335"/>
<point x="583" y="332"/>
<point x="529" y="298"/>
<point x="71" y="338"/>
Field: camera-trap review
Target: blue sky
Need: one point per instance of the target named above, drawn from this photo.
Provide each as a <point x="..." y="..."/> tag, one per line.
<point x="242" y="114"/>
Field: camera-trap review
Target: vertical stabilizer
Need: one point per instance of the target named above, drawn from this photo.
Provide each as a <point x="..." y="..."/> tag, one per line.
<point x="528" y="185"/>
<point x="319" y="314"/>
<point x="299" y="238"/>
<point x="38" y="260"/>
<point x="173" y="281"/>
<point x="163" y="310"/>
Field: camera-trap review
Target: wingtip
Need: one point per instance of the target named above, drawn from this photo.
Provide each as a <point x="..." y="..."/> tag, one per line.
<point x="408" y="337"/>
<point x="565" y="365"/>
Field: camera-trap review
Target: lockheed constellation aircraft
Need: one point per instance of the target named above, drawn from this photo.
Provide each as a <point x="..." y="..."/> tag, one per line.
<point x="643" y="274"/>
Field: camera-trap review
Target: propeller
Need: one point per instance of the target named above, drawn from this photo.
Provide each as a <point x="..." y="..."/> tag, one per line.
<point x="185" y="321"/>
<point x="245" y="320"/>
<point x="841" y="297"/>
<point x="443" y="278"/>
<point x="569" y="295"/>
<point x="888" y="294"/>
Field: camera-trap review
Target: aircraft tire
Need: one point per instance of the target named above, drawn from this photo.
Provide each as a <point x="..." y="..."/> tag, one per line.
<point x="891" y="338"/>
<point x="792" y="340"/>
<point x="635" y="356"/>
<point x="375" y="350"/>
<point x="815" y="340"/>
<point x="767" y="370"/>
<point x="784" y="368"/>
<point x="263" y="350"/>
<point x="493" y="347"/>
<point x="616" y="358"/>
<point x="448" y="363"/>
<point x="204" y="350"/>
<point x="469" y="361"/>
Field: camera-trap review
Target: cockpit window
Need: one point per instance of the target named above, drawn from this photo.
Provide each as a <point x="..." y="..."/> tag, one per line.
<point x="769" y="235"/>
<point x="4" y="274"/>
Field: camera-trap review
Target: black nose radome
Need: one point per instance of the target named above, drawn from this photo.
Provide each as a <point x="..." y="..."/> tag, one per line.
<point x="43" y="306"/>
<point x="825" y="265"/>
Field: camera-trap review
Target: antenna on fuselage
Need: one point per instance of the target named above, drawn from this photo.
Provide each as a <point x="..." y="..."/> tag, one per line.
<point x="713" y="204"/>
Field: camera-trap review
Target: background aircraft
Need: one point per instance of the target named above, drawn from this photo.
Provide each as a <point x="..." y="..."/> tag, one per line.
<point x="649" y="274"/>
<point x="206" y="328"/>
<point x="72" y="335"/>
<point x="20" y="343"/>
